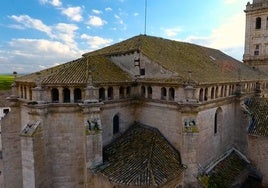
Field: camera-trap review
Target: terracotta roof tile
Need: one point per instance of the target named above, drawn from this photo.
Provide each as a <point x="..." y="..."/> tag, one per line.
<point x="206" y="64"/>
<point x="141" y="157"/>
<point x="77" y="72"/>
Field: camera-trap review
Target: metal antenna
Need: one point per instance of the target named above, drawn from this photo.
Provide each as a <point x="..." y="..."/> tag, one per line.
<point x="145" y="17"/>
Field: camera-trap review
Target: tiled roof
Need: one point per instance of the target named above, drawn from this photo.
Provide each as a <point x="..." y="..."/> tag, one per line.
<point x="78" y="71"/>
<point x="258" y="108"/>
<point x="141" y="157"/>
<point x="207" y="65"/>
<point x="226" y="172"/>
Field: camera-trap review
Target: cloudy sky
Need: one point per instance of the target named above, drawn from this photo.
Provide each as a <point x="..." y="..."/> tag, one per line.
<point x="37" y="34"/>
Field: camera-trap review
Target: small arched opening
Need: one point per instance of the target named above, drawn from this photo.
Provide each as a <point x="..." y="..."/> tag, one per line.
<point x="102" y="94"/>
<point x="163" y="93"/>
<point x="258" y="23"/>
<point x="201" y="95"/>
<point x="171" y="95"/>
<point x="121" y="92"/>
<point x="66" y="95"/>
<point x="77" y="95"/>
<point x="110" y="93"/>
<point x="55" y="95"/>
<point x="143" y="91"/>
<point x="150" y="92"/>
<point x="116" y="125"/>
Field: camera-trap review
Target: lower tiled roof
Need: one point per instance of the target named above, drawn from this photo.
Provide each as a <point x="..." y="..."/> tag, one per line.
<point x="141" y="157"/>
<point x="258" y="108"/>
<point x="226" y="172"/>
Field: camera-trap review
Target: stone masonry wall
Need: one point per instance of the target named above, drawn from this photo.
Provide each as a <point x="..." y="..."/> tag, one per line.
<point x="11" y="127"/>
<point x="210" y="145"/>
<point x="66" y="146"/>
<point x="258" y="153"/>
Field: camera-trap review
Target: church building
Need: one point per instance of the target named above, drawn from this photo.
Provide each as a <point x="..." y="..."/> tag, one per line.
<point x="144" y="112"/>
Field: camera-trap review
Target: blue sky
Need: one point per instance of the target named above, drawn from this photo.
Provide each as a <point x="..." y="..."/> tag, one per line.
<point x="37" y="34"/>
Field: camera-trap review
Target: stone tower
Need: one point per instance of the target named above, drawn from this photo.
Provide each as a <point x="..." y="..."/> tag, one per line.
<point x="256" y="35"/>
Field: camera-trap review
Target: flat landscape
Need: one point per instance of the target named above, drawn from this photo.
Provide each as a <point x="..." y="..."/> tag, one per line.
<point x="5" y="82"/>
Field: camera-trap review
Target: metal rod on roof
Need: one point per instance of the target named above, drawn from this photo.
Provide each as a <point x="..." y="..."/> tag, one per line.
<point x="145" y="17"/>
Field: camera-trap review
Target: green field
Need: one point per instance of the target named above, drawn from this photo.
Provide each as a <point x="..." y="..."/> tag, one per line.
<point x="6" y="81"/>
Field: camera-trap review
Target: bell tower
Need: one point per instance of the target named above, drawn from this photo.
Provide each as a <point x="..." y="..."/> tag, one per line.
<point x="256" y="35"/>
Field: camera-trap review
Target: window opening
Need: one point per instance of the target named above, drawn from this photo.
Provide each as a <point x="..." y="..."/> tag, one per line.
<point x="66" y="95"/>
<point x="77" y="95"/>
<point x="101" y="94"/>
<point x="115" y="124"/>
<point x="55" y="95"/>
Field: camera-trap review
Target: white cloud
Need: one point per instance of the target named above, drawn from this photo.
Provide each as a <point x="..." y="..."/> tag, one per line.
<point x="96" y="42"/>
<point x="108" y="9"/>
<point x="74" y="13"/>
<point x="30" y="55"/>
<point x="96" y="11"/>
<point x="62" y="31"/>
<point x="66" y="33"/>
<point x="56" y="3"/>
<point x="228" y="37"/>
<point x="172" y="32"/>
<point x="95" y="21"/>
<point x="136" y="14"/>
<point x="32" y="23"/>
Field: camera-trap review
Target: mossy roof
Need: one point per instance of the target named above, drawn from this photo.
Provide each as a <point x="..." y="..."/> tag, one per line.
<point x="258" y="108"/>
<point x="226" y="172"/>
<point x="141" y="157"/>
<point x="78" y="71"/>
<point x="206" y="65"/>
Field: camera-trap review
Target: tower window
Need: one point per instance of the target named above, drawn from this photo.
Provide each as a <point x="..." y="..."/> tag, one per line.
<point x="258" y="23"/>
<point x="257" y="49"/>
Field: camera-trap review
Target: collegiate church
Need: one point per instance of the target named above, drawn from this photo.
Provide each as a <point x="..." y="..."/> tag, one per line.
<point x="145" y="112"/>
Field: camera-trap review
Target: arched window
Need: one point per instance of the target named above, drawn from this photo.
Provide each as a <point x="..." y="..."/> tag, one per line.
<point x="222" y="91"/>
<point x="201" y="95"/>
<point x="217" y="92"/>
<point x="163" y="93"/>
<point x="121" y="92"/>
<point x="217" y="120"/>
<point x="142" y="91"/>
<point x="21" y="92"/>
<point x="77" y="95"/>
<point x="171" y="93"/>
<point x="150" y="92"/>
<point x="25" y="93"/>
<point x="110" y="93"/>
<point x="102" y="94"/>
<point x="55" y="95"/>
<point x="30" y="93"/>
<point x="66" y="95"/>
<point x="212" y="93"/>
<point x="206" y="94"/>
<point x="128" y="91"/>
<point x="116" y="124"/>
<point x="258" y="23"/>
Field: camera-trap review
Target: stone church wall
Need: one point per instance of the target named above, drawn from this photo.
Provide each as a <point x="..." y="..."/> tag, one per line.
<point x="258" y="154"/>
<point x="212" y="145"/>
<point x="125" y="111"/>
<point x="11" y="127"/>
<point x="66" y="147"/>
